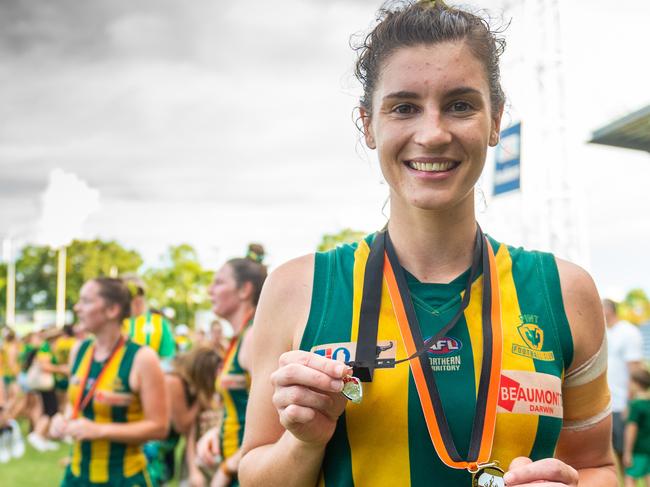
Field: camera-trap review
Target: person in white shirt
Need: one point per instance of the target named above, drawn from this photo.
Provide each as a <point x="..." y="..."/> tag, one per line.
<point x="625" y="354"/>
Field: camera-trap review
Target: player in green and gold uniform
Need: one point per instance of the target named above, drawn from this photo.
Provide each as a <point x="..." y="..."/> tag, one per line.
<point x="9" y="358"/>
<point x="116" y="395"/>
<point x="148" y="327"/>
<point x="234" y="292"/>
<point x="463" y="371"/>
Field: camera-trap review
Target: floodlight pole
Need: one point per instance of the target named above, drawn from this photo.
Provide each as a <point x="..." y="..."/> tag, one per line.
<point x="60" y="287"/>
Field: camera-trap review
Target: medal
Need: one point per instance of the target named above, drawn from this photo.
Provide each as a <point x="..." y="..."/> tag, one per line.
<point x="352" y="389"/>
<point x="489" y="475"/>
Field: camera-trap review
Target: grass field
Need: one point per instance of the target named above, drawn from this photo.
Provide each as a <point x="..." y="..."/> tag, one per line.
<point x="35" y="468"/>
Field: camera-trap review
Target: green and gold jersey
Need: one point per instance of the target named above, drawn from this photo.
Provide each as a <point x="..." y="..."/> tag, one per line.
<point x="153" y="330"/>
<point x="389" y="423"/>
<point x="8" y="368"/>
<point x="233" y="385"/>
<point x="102" y="461"/>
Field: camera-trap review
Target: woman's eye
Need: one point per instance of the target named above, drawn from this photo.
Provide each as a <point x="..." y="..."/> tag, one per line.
<point x="460" y="106"/>
<point x="404" y="109"/>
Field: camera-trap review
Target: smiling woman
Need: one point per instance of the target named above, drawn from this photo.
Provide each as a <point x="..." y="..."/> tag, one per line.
<point x="468" y="362"/>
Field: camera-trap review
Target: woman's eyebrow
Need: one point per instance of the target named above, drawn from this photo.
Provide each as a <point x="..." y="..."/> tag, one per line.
<point x="459" y="91"/>
<point x="462" y="90"/>
<point x="401" y="95"/>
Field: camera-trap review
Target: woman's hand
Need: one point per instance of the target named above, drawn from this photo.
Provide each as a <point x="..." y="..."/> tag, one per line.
<point x="196" y="478"/>
<point x="84" y="429"/>
<point x="627" y="459"/>
<point x="207" y="448"/>
<point x="58" y="426"/>
<point x="547" y="472"/>
<point x="220" y="479"/>
<point x="308" y="395"/>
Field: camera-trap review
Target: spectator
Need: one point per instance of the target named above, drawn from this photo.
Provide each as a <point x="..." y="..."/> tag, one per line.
<point x="624" y="349"/>
<point x="636" y="455"/>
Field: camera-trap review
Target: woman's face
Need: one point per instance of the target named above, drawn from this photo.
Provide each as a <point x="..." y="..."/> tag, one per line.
<point x="224" y="294"/>
<point x="92" y="310"/>
<point x="431" y="124"/>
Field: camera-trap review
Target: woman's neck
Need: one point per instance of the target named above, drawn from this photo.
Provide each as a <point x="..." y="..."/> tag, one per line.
<point x="105" y="340"/>
<point x="241" y="316"/>
<point x="433" y="246"/>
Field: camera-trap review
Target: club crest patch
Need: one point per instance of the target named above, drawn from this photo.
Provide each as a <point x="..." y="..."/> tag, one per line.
<point x="532" y="340"/>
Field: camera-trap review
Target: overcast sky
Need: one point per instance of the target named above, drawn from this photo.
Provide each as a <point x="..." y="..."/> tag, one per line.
<point x="222" y="122"/>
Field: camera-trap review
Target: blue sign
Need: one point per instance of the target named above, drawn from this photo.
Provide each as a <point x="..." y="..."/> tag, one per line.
<point x="508" y="161"/>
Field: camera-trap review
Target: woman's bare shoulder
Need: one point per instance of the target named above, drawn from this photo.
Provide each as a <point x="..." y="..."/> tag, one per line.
<point x="286" y="297"/>
<point x="583" y="309"/>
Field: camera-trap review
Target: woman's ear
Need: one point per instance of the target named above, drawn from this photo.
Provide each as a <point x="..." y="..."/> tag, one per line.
<point x="245" y="291"/>
<point x="495" y="128"/>
<point x="367" y="128"/>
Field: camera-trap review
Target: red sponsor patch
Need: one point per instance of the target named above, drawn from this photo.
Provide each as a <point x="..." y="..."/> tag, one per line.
<point x="530" y="393"/>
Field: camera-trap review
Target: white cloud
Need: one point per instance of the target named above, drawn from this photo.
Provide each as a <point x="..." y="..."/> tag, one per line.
<point x="219" y="123"/>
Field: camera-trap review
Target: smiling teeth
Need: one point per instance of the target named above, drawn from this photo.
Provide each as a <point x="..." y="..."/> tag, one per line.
<point x="431" y="166"/>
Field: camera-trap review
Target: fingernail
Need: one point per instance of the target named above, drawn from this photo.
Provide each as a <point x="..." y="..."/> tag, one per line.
<point x="507" y="478"/>
<point x="337" y="385"/>
<point x="340" y="369"/>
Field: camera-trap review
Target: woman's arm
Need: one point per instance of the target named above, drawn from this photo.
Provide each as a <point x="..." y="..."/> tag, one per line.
<point x="631" y="431"/>
<point x="294" y="402"/>
<point x="583" y="454"/>
<point x="195" y="476"/>
<point x="182" y="414"/>
<point x="148" y="380"/>
<point x="45" y="361"/>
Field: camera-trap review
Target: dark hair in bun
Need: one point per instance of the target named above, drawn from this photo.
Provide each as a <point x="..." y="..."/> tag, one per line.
<point x="255" y="253"/>
<point x="250" y="269"/>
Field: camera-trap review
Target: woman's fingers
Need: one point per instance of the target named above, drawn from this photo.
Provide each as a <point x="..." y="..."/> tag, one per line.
<point x="333" y="368"/>
<point x="549" y="471"/>
<point x="295" y="415"/>
<point x="298" y="374"/>
<point x="302" y="396"/>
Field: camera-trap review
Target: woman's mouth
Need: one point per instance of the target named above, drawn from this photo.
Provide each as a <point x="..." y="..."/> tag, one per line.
<point x="437" y="166"/>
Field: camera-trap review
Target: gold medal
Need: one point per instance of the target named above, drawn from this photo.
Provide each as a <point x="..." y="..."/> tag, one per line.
<point x="488" y="475"/>
<point x="352" y="389"/>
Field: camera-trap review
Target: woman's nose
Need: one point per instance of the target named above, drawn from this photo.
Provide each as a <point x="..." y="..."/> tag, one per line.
<point x="432" y="130"/>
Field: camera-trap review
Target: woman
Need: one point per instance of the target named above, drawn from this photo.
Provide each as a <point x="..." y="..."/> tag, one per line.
<point x="9" y="352"/>
<point x="463" y="346"/>
<point x="235" y="292"/>
<point x="117" y="394"/>
<point x="190" y="391"/>
<point x="49" y="364"/>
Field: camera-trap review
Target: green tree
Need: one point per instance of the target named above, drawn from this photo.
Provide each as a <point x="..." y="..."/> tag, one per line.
<point x="182" y="284"/>
<point x="93" y="258"/>
<point x="347" y="235"/>
<point x="635" y="307"/>
<point x="36" y="271"/>
<point x="36" y="278"/>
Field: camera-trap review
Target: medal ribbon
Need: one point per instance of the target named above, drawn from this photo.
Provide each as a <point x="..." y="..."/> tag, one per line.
<point x="83" y="400"/>
<point x="486" y="402"/>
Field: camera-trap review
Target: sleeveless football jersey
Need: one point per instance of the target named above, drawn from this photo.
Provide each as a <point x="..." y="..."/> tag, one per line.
<point x="153" y="330"/>
<point x="233" y="384"/>
<point x="384" y="441"/>
<point x="103" y="461"/>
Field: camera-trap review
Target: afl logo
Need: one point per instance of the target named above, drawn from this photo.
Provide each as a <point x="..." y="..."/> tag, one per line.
<point x="445" y="346"/>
